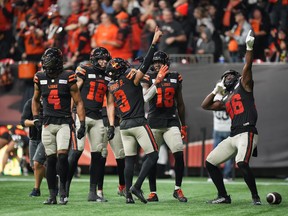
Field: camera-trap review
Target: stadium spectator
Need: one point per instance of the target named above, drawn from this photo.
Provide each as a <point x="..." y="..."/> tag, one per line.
<point x="124" y="37"/>
<point x="105" y="34"/>
<point x="107" y="6"/>
<point x="261" y="26"/>
<point x="205" y="44"/>
<point x="278" y="46"/>
<point x="173" y="34"/>
<point x="6" y="34"/>
<point x="236" y="37"/>
<point x="80" y="42"/>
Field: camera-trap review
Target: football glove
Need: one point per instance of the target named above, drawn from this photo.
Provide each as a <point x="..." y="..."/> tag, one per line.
<point x="184" y="133"/>
<point x="37" y="123"/>
<point x="219" y="87"/>
<point x="81" y="130"/>
<point x="250" y="41"/>
<point x="161" y="74"/>
<point x="110" y="132"/>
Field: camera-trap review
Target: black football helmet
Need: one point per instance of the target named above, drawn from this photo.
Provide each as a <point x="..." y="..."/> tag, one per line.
<point x="229" y="84"/>
<point x="99" y="53"/>
<point x="162" y="57"/>
<point x="116" y="67"/>
<point x="52" y="62"/>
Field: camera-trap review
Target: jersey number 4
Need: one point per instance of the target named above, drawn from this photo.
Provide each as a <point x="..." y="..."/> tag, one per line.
<point x="54" y="99"/>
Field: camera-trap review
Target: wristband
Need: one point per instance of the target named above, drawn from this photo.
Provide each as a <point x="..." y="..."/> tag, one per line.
<point x="35" y="117"/>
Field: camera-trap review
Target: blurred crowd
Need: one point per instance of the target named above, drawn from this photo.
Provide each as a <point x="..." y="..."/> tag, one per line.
<point x="125" y="28"/>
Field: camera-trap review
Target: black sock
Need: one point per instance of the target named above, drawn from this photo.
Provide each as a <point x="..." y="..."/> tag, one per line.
<point x="94" y="167"/>
<point x="248" y="177"/>
<point x="152" y="178"/>
<point x="51" y="171"/>
<point x="129" y="171"/>
<point x="150" y="161"/>
<point x="63" y="171"/>
<point x="179" y="168"/>
<point x="73" y="158"/>
<point x="217" y="178"/>
<point x="120" y="170"/>
<point x="100" y="180"/>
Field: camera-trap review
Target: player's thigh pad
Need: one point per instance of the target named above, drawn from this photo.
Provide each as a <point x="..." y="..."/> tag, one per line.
<point x="49" y="138"/>
<point x="96" y="135"/>
<point x="63" y="137"/>
<point x="222" y="152"/>
<point x="117" y="144"/>
<point x="158" y="135"/>
<point x="145" y="138"/>
<point x="245" y="143"/>
<point x="173" y="139"/>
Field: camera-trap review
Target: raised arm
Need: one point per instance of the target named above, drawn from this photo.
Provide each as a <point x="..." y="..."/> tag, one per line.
<point x="247" y="80"/>
<point x="148" y="58"/>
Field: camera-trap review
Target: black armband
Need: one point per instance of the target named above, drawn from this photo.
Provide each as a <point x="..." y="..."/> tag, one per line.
<point x="82" y="123"/>
<point x="148" y="59"/>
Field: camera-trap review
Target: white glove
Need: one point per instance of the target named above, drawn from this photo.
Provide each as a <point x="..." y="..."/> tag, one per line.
<point x="219" y="87"/>
<point x="249" y="41"/>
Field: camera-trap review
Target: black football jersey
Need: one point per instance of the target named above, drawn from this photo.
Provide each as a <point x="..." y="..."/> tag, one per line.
<point x="56" y="93"/>
<point x="163" y="104"/>
<point x="240" y="105"/>
<point x="93" y="89"/>
<point x="128" y="97"/>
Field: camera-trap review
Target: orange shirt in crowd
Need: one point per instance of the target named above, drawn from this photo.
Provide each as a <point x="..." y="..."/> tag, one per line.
<point x="233" y="45"/>
<point x="34" y="45"/>
<point x="108" y="33"/>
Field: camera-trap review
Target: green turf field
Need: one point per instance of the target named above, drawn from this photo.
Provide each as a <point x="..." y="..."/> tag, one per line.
<point x="15" y="200"/>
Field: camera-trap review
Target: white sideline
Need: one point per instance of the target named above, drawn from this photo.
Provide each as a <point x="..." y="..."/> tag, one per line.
<point x="162" y="181"/>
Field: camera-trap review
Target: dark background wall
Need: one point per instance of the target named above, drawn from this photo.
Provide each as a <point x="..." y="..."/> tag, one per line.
<point x="270" y="91"/>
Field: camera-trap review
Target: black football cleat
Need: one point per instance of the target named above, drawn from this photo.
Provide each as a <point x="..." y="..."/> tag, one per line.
<point x="63" y="200"/>
<point x="92" y="197"/>
<point x="129" y="199"/>
<point x="220" y="200"/>
<point x="50" y="201"/>
<point x="256" y="200"/>
<point x="138" y="193"/>
<point x="35" y="193"/>
<point x="178" y="194"/>
<point x="152" y="197"/>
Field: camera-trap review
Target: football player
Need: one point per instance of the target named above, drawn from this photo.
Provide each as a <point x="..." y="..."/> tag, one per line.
<point x="165" y="105"/>
<point x="57" y="87"/>
<point x="126" y="91"/>
<point x="117" y="148"/>
<point x="240" y="105"/>
<point x="92" y="82"/>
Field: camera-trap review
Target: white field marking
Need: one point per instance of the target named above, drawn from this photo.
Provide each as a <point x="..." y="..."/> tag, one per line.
<point x="166" y="181"/>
